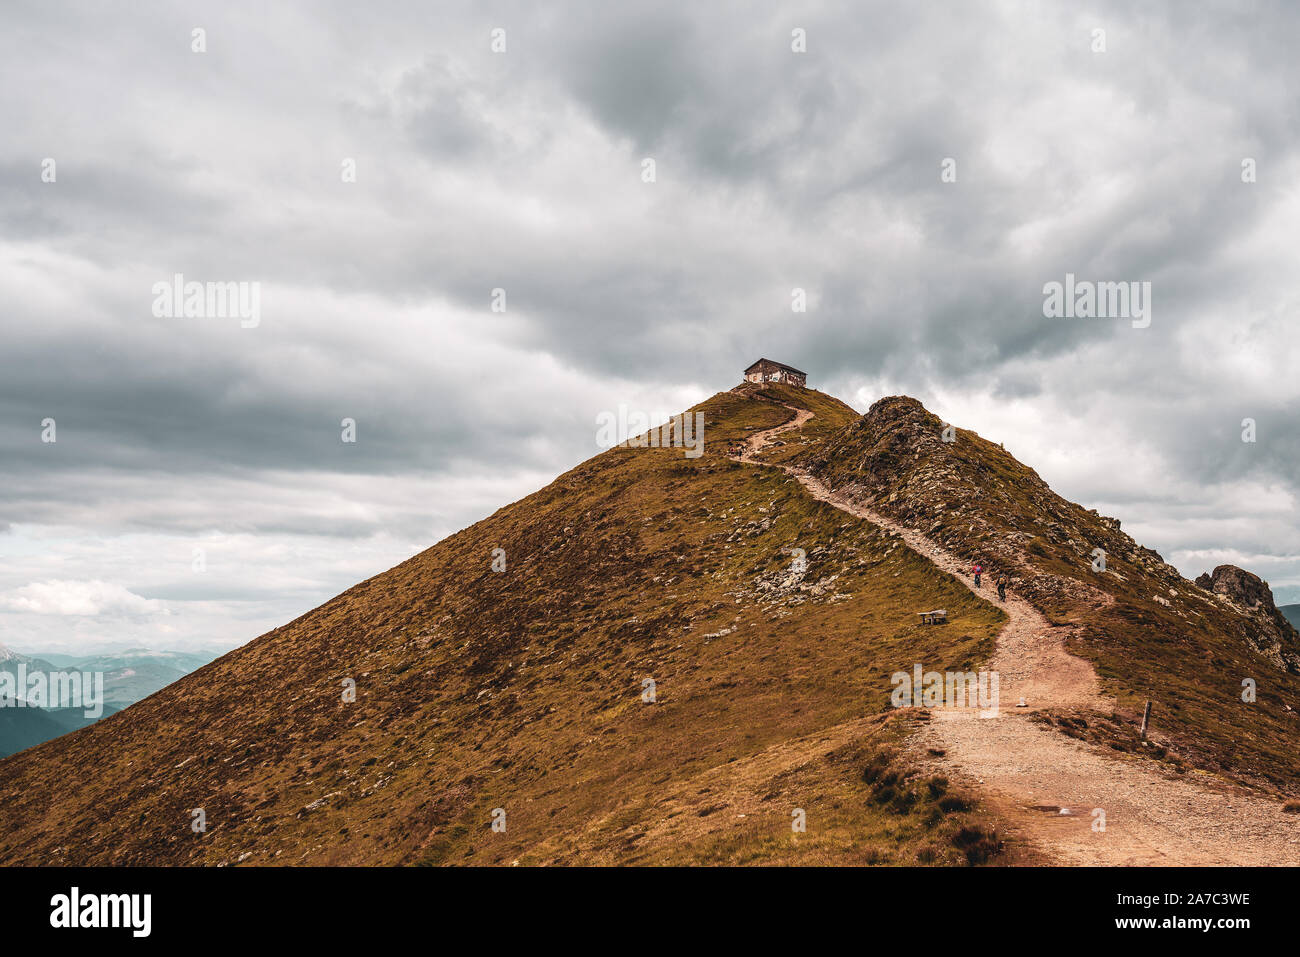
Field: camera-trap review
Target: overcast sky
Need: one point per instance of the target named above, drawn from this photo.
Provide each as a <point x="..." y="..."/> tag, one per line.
<point x="523" y="170"/>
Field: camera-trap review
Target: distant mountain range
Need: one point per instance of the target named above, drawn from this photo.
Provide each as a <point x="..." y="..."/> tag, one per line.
<point x="21" y="728"/>
<point x="129" y="676"/>
<point x="1292" y="614"/>
<point x="135" y="673"/>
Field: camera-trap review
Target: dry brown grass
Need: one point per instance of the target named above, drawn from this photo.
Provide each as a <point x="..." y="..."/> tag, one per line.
<point x="478" y="690"/>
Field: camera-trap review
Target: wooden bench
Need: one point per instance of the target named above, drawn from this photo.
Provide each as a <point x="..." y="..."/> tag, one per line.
<point x="934" y="617"/>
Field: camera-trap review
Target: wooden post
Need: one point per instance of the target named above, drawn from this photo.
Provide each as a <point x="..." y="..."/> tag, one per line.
<point x="1146" y="719"/>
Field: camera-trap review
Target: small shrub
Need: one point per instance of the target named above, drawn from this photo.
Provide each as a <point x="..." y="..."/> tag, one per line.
<point x="978" y="846"/>
<point x="953" y="804"/>
<point x="878" y="766"/>
<point x="903" y="802"/>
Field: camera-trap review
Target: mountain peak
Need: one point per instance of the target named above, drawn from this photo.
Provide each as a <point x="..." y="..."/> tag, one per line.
<point x="889" y="404"/>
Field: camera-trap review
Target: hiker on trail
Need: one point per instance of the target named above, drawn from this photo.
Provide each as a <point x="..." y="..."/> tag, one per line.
<point x="1002" y="587"/>
<point x="977" y="570"/>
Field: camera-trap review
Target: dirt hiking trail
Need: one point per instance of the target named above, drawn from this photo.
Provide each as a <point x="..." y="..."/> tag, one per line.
<point x="1047" y="787"/>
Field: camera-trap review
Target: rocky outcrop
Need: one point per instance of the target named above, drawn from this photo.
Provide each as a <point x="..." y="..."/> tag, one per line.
<point x="1272" y="634"/>
<point x="1243" y="587"/>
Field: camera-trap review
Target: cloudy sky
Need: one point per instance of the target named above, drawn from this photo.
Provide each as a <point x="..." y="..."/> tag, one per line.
<point x="198" y="491"/>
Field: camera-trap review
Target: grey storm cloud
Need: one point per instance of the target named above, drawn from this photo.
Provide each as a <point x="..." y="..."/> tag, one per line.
<point x="521" y="170"/>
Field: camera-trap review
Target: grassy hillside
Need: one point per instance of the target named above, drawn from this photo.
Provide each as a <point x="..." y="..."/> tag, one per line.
<point x="523" y="690"/>
<point x="1151" y="633"/>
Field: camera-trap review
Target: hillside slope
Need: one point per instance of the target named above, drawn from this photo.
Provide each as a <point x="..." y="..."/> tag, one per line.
<point x="524" y="690"/>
